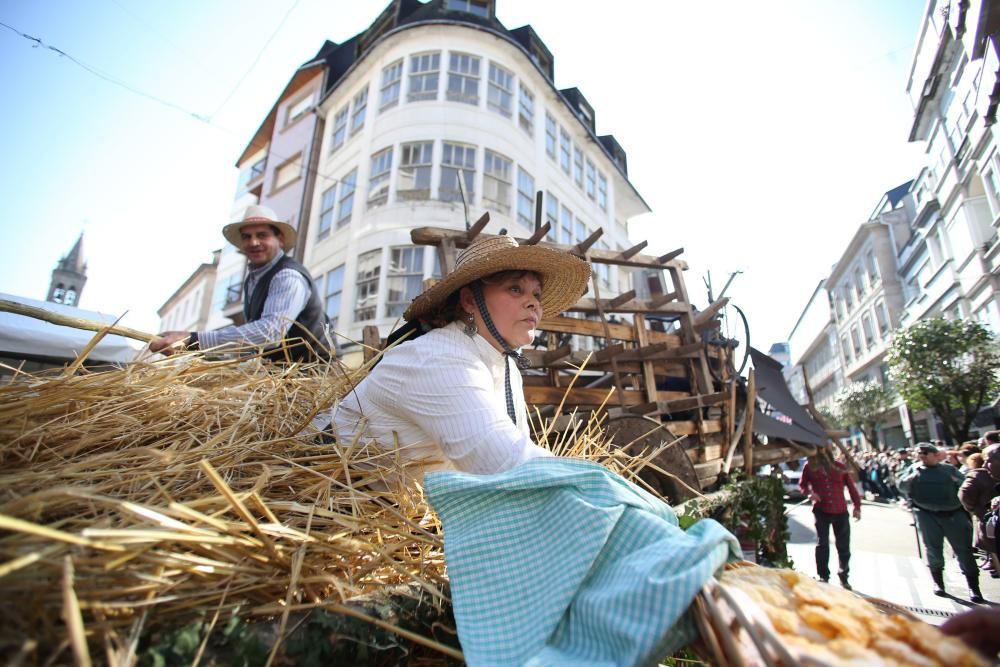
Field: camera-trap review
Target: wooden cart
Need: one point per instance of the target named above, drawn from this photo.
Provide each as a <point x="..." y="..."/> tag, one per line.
<point x="657" y="370"/>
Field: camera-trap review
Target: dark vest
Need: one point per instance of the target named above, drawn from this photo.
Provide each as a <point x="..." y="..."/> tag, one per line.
<point x="309" y="325"/>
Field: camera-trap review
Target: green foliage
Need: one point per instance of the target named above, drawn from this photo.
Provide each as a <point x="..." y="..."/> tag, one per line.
<point x="179" y="646"/>
<point x="753" y="509"/>
<point x="948" y="366"/>
<point x="863" y="404"/>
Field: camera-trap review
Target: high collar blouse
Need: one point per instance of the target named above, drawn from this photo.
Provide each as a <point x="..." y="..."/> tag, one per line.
<point x="440" y="399"/>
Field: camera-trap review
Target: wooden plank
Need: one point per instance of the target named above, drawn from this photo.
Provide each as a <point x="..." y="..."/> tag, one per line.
<point x="473" y="232"/>
<point x="538" y="235"/>
<point x="748" y="431"/>
<point x="583" y="246"/>
<point x="642" y="338"/>
<point x="705" y="315"/>
<point x="634" y="250"/>
<point x="691" y="428"/>
<point x="372" y="341"/>
<point x="576" y="396"/>
<point x="434" y="235"/>
<point x="663" y="259"/>
<point x="571" y="325"/>
<point x="702" y="378"/>
<point x="690" y="403"/>
<point x="641" y="306"/>
<point x="446" y="255"/>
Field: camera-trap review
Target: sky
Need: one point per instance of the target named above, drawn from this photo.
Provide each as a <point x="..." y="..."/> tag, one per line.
<point x="761" y="134"/>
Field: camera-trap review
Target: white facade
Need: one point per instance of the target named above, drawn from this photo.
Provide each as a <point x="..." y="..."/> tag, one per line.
<point x="189" y="308"/>
<point x="492" y="113"/>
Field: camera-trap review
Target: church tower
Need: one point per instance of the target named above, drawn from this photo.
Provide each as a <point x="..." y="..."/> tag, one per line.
<point x="69" y="277"/>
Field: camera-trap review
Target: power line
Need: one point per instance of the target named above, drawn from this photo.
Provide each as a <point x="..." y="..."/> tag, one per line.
<point x="106" y="77"/>
<point x="37" y="42"/>
<point x="256" y="60"/>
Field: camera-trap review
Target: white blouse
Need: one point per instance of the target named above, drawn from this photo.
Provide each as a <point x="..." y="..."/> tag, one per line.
<point x="441" y="398"/>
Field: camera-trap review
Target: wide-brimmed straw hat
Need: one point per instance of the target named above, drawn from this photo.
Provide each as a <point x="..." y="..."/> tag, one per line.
<point x="255" y="214"/>
<point x="564" y="277"/>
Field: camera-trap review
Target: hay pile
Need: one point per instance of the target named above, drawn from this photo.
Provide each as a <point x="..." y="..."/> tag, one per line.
<point x="184" y="489"/>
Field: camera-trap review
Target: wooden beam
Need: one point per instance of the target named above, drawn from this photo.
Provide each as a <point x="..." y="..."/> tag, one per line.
<point x="572" y="325"/>
<point x="663" y="259"/>
<point x="446" y="255"/>
<point x="372" y="341"/>
<point x="576" y="397"/>
<point x="642" y="306"/>
<point x="538" y="235"/>
<point x="433" y="236"/>
<point x="583" y="246"/>
<point x="658" y="300"/>
<point x="628" y="254"/>
<point x="710" y="312"/>
<point x="478" y="227"/>
<point x="621" y="299"/>
<point x="689" y="403"/>
<point x="559" y="354"/>
<point x="748" y="431"/>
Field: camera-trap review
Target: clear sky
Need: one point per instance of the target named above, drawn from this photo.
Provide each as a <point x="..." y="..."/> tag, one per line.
<point x="760" y="133"/>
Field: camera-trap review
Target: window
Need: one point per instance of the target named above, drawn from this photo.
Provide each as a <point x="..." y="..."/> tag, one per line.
<point x="581" y="231"/>
<point x="327" y="204"/>
<point x="346" y="207"/>
<point x="287" y="172"/>
<point x="299" y="109"/>
<point x="526" y="109"/>
<point x="525" y="198"/>
<point x="882" y="317"/>
<point x="455" y="159"/>
<point x="392" y="77"/>
<point x="550" y="135"/>
<point x="251" y="175"/>
<point x="339" y="129"/>
<point x="500" y="95"/>
<point x="603" y="270"/>
<point x="846" y="348"/>
<point x="360" y="104"/>
<point x="404" y="279"/>
<point x="859" y="283"/>
<point x="872" y="267"/>
<point x="378" y="178"/>
<point x="463" y="78"/>
<point x="591" y="187"/>
<point x="565" y="226"/>
<point x="415" y="170"/>
<point x="424" y="69"/>
<point x="993" y="189"/>
<point x="856" y="340"/>
<point x="602" y="191"/>
<point x="578" y="166"/>
<point x="475" y="7"/>
<point x="869" y="330"/>
<point x="848" y="298"/>
<point x="552" y="216"/>
<point x="564" y="148"/>
<point x="498" y="174"/>
<point x="334" y="289"/>
<point x="366" y="285"/>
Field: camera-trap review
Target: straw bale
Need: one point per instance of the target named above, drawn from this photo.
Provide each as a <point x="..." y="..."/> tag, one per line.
<point x="167" y="492"/>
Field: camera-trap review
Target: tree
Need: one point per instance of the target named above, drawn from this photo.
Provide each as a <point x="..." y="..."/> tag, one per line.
<point x="948" y="366"/>
<point x="862" y="404"/>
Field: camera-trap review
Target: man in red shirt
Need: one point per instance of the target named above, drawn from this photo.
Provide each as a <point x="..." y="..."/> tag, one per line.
<point x="824" y="480"/>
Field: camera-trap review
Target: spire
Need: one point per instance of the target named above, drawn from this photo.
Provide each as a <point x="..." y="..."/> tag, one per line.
<point x="69" y="276"/>
<point x="73" y="262"/>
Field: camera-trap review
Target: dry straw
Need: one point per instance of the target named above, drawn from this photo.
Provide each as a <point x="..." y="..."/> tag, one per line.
<point x="188" y="488"/>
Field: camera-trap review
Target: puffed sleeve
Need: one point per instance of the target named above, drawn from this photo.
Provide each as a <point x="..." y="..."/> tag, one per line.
<point x="453" y="401"/>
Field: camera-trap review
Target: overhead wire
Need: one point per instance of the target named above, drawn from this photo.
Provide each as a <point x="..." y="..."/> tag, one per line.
<point x="256" y="60"/>
<point x="38" y="42"/>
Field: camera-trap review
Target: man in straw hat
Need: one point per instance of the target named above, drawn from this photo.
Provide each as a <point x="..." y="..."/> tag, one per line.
<point x="551" y="560"/>
<point x="280" y="300"/>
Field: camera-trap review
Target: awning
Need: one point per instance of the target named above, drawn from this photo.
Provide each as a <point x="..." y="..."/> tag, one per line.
<point x="26" y="337"/>
<point x="771" y="387"/>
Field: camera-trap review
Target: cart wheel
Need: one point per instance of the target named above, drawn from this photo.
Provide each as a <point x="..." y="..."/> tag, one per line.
<point x="636" y="434"/>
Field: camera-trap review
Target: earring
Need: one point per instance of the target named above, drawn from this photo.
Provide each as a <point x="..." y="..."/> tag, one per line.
<point x="470" y="325"/>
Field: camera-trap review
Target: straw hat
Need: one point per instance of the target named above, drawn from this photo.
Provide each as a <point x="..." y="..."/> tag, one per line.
<point x="564" y="276"/>
<point x="256" y="214"/>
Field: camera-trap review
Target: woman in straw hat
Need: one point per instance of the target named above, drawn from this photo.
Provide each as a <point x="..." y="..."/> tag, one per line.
<point x="448" y="395"/>
<point x="551" y="560"/>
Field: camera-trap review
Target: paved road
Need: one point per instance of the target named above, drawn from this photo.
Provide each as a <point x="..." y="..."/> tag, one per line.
<point x="884" y="562"/>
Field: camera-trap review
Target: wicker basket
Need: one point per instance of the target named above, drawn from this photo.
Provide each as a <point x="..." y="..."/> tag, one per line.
<point x="735" y="632"/>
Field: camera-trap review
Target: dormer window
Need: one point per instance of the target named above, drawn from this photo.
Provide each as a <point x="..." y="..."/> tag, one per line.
<point x="480" y="8"/>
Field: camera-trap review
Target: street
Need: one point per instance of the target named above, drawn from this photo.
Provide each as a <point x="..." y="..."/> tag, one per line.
<point x="884" y="561"/>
